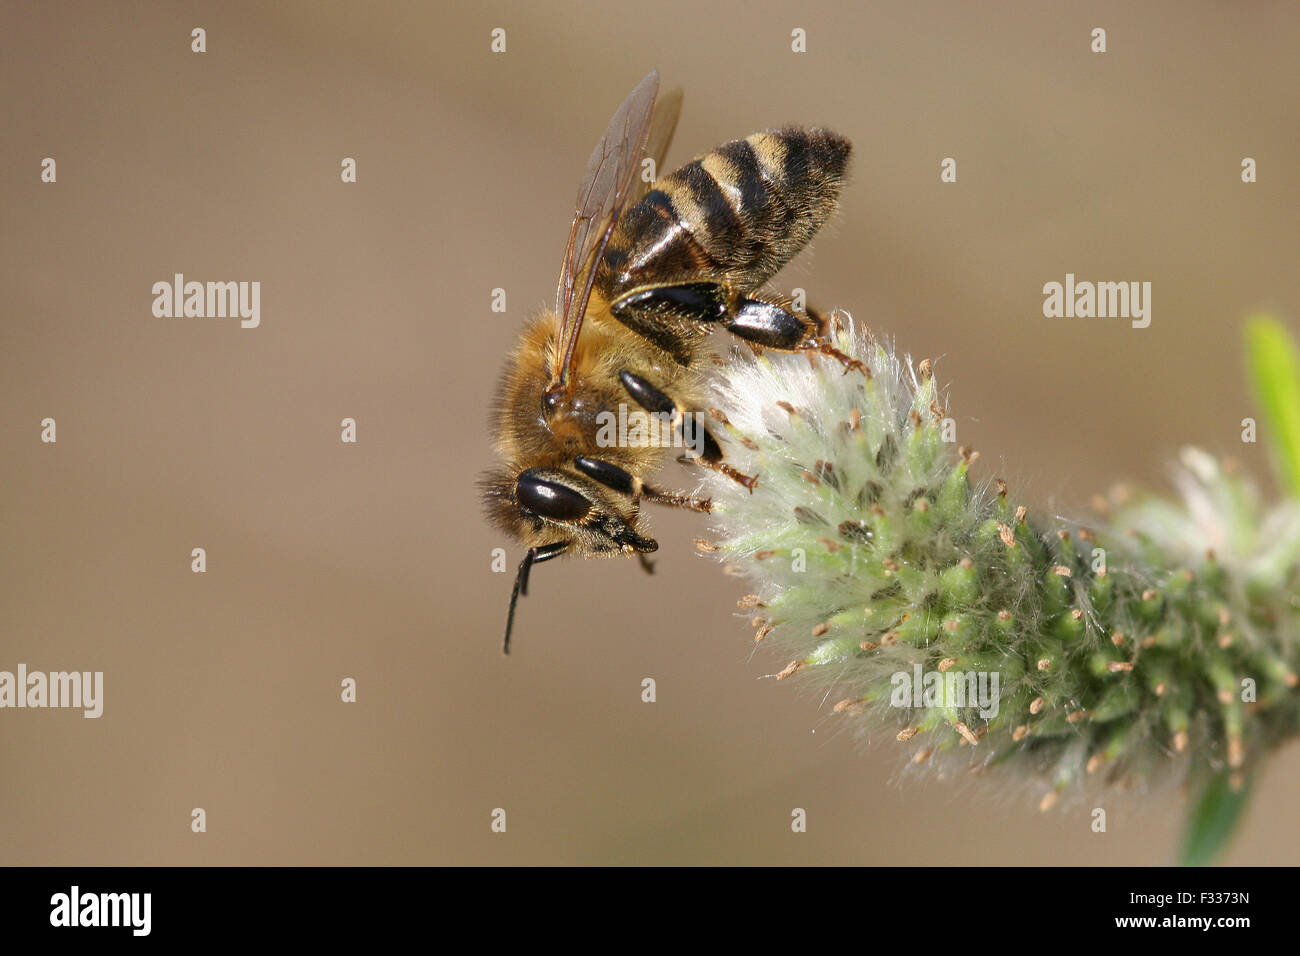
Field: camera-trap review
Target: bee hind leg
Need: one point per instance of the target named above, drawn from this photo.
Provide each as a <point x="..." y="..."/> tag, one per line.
<point x="761" y="323"/>
<point x="702" y="447"/>
<point x="849" y="362"/>
<point x="769" y="325"/>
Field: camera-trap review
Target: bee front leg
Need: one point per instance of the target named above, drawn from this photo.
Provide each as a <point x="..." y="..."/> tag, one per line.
<point x="674" y="500"/>
<point x="612" y="476"/>
<point x="704" y="447"/>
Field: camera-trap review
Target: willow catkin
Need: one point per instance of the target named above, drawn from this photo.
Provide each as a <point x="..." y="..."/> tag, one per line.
<point x="1163" y="644"/>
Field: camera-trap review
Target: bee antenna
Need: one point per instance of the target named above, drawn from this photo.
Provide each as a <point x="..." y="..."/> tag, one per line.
<point x="534" y="556"/>
<point x="521" y="587"/>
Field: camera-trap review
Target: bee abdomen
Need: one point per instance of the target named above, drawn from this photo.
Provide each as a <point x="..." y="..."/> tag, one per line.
<point x="739" y="212"/>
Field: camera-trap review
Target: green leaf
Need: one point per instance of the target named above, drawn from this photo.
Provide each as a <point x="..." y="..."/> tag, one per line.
<point x="1275" y="375"/>
<point x="1212" y="820"/>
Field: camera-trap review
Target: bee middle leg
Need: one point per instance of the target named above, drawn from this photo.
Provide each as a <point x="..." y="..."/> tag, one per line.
<point x="757" y="321"/>
<point x="695" y="435"/>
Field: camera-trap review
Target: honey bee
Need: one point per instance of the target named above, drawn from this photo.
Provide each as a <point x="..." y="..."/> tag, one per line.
<point x="646" y="274"/>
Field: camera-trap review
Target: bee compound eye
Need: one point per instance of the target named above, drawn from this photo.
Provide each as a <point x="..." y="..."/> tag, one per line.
<point x="550" y="499"/>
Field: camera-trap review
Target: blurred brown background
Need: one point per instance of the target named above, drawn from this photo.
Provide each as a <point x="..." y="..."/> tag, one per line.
<point x="371" y="561"/>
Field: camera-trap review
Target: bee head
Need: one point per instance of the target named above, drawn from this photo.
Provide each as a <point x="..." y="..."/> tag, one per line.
<point x="543" y="506"/>
<point x="557" y="512"/>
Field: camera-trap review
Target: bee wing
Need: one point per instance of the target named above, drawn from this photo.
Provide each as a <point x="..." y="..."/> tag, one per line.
<point x="662" y="127"/>
<point x="604" y="193"/>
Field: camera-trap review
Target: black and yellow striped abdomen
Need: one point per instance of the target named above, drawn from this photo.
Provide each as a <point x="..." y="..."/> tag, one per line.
<point x="736" y="214"/>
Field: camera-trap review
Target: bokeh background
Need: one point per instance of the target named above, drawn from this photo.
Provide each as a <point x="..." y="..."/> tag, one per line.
<point x="371" y="561"/>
